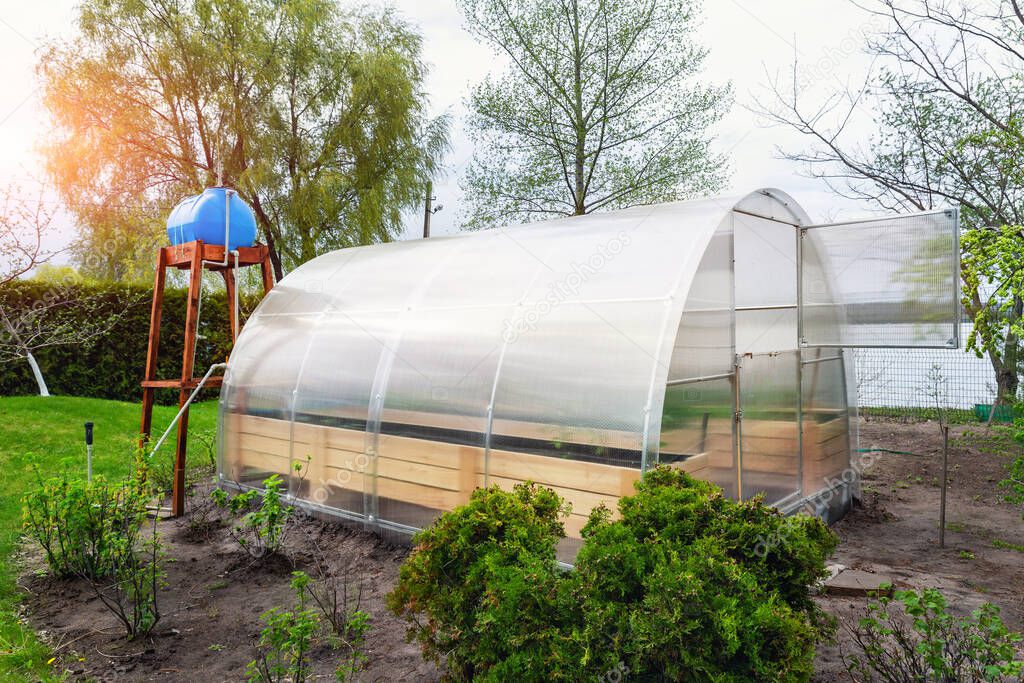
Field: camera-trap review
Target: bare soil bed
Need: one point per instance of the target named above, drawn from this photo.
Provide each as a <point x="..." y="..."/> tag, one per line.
<point x="214" y="597"/>
<point x="211" y="609"/>
<point x="895" y="531"/>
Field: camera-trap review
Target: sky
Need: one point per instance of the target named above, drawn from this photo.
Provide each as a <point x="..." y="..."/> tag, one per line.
<point x="748" y="40"/>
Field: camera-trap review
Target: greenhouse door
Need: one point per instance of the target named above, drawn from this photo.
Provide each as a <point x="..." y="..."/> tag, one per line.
<point x="768" y="425"/>
<point x="882" y="283"/>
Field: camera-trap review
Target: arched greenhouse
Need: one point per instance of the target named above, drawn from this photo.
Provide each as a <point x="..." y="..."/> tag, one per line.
<point x="577" y="353"/>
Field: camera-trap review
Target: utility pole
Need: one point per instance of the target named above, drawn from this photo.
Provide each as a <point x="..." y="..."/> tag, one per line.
<point x="427" y="209"/>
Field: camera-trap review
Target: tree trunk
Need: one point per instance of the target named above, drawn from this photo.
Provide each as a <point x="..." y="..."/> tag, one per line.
<point x="275" y="258"/>
<point x="37" y="373"/>
<point x="264" y="222"/>
<point x="580" y="150"/>
<point x="1007" y="377"/>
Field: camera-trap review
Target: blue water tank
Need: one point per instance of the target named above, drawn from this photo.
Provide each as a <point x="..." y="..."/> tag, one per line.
<point x="202" y="218"/>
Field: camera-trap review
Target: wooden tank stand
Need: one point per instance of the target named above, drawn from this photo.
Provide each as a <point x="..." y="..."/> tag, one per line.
<point x="191" y="256"/>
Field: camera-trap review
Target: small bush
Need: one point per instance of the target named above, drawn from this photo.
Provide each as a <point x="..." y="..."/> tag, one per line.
<point x="912" y="637"/>
<point x="260" y="531"/>
<point x="1014" y="482"/>
<point x="93" y="530"/>
<point x="288" y="637"/>
<point x="285" y="641"/>
<point x="485" y="577"/>
<point x="687" y="585"/>
<point x="81" y="526"/>
<point x="131" y="590"/>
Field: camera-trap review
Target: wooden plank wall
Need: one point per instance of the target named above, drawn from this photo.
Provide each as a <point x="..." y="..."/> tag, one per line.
<point x="440" y="476"/>
<point x="431" y="474"/>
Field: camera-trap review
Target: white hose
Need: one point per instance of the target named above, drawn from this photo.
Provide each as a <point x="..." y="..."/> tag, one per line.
<point x="184" y="407"/>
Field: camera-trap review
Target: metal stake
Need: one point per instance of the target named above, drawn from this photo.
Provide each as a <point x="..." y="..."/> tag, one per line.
<point x="88" y="451"/>
<point x="942" y="496"/>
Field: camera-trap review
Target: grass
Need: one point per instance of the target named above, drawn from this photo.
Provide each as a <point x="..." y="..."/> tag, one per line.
<point x="49" y="432"/>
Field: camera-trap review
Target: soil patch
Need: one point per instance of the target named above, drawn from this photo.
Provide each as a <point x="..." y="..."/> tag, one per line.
<point x="895" y="530"/>
<point x="212" y="605"/>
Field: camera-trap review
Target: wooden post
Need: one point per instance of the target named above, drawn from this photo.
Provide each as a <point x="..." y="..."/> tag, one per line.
<point x="266" y="269"/>
<point x="156" y="311"/>
<point x="187" y="361"/>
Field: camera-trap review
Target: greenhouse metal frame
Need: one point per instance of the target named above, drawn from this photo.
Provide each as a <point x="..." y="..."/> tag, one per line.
<point x="385" y="383"/>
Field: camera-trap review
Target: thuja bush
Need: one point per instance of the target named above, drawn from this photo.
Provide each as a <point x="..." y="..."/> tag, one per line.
<point x="685" y="585"/>
<point x="485" y="580"/>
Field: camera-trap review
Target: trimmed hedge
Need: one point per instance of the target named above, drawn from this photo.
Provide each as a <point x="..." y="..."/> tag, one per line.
<point x="112" y="366"/>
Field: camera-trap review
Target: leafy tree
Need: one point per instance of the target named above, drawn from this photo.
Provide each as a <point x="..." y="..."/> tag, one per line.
<point x="946" y="102"/>
<point x="315" y="114"/>
<point x="596" y="110"/>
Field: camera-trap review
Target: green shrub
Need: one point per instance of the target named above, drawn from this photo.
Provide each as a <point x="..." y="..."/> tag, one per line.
<point x="82" y="526"/>
<point x="912" y="637"/>
<point x="285" y="641"/>
<point x="260" y="530"/>
<point x="93" y="530"/>
<point x="469" y="572"/>
<point x="1014" y="482"/>
<point x="130" y="592"/>
<point x="687" y="585"/>
<point x="288" y="637"/>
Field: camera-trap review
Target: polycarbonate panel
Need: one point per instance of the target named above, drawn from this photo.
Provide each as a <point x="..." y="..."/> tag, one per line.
<point x="766" y="311"/>
<point x="697" y="431"/>
<point x="437" y="392"/>
<point x="769" y="442"/>
<point x="704" y="341"/>
<point x="766" y="330"/>
<point x="826" y="425"/>
<point x="765" y="262"/>
<point x="261" y="379"/>
<point x="575" y="382"/>
<point x="588" y="258"/>
<point x="888" y="282"/>
<point x="331" y="407"/>
<point x="309" y="289"/>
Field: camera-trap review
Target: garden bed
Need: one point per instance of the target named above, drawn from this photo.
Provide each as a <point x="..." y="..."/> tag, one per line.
<point x="214" y="598"/>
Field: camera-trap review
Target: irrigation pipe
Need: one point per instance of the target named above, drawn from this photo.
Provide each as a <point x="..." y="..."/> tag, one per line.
<point x="184" y="407"/>
<point x="884" y="450"/>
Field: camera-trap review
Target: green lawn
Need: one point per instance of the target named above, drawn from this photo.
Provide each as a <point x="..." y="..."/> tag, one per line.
<point x="49" y="431"/>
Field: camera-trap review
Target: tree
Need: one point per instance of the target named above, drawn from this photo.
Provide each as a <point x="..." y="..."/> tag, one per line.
<point x="316" y="115"/>
<point x="946" y="101"/>
<point x="596" y="110"/>
<point x="57" y="318"/>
